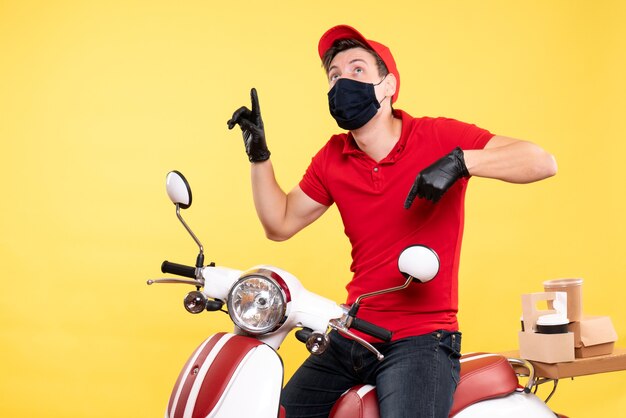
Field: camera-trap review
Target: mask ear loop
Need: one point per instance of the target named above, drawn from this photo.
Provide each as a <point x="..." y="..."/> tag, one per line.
<point x="383" y="79"/>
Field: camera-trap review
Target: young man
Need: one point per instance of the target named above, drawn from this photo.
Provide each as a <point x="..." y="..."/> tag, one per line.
<point x="397" y="181"/>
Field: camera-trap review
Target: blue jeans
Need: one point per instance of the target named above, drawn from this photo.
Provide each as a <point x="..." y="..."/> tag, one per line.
<point x="416" y="379"/>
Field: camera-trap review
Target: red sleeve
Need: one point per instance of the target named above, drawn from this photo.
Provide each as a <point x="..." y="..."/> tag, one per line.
<point x="313" y="181"/>
<point x="460" y="134"/>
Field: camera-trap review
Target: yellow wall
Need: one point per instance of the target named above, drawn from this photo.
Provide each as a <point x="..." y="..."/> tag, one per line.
<point x="98" y="100"/>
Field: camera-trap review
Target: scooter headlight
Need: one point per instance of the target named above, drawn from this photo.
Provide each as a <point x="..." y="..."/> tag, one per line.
<point x="257" y="302"/>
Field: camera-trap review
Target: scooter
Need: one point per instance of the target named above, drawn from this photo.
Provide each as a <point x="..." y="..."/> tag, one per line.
<point x="240" y="374"/>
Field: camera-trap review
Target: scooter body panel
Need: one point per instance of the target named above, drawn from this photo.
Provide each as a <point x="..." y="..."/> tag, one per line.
<point x="515" y="405"/>
<point x="228" y="375"/>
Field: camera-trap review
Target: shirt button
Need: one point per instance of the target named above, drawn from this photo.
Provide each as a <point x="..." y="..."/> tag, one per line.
<point x="375" y="169"/>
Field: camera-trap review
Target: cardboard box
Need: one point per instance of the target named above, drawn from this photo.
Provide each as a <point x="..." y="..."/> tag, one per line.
<point x="593" y="336"/>
<point x="546" y="348"/>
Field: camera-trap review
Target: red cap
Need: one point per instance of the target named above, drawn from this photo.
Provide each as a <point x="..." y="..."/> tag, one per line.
<point x="345" y="31"/>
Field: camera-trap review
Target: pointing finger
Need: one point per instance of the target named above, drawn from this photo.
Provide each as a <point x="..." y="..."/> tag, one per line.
<point x="254" y="98"/>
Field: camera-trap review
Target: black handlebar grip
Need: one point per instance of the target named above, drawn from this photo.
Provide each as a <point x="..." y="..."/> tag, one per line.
<point x="303" y="334"/>
<point x="371" y="329"/>
<point x="178" y="269"/>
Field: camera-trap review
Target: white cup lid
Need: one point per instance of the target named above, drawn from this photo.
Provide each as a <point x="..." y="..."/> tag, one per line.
<point x="552" y="319"/>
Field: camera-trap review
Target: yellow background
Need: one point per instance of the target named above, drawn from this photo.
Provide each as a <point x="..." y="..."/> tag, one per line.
<point x="99" y="100"/>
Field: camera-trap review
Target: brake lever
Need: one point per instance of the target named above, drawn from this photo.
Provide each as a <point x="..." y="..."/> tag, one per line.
<point x="338" y="325"/>
<point x="181" y="281"/>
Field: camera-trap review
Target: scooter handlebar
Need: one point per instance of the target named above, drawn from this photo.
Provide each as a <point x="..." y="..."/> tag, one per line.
<point x="178" y="269"/>
<point x="371" y="329"/>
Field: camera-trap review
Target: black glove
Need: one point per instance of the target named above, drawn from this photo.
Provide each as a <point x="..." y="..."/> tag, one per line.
<point x="433" y="181"/>
<point x="252" y="130"/>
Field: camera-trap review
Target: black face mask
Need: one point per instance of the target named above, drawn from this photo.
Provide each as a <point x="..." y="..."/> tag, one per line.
<point x="352" y="103"/>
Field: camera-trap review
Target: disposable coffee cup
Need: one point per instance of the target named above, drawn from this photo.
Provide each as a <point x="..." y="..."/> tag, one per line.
<point x="552" y="324"/>
<point x="573" y="288"/>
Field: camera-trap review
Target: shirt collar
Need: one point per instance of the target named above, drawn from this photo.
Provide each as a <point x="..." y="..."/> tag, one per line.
<point x="350" y="146"/>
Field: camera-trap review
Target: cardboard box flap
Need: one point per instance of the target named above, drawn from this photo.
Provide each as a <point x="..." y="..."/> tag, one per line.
<point x="530" y="311"/>
<point x="598" y="330"/>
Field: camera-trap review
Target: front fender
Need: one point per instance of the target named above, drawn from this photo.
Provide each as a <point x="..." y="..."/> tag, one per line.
<point x="228" y="375"/>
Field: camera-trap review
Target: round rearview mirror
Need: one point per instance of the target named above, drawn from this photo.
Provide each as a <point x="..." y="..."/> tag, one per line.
<point x="178" y="189"/>
<point x="419" y="262"/>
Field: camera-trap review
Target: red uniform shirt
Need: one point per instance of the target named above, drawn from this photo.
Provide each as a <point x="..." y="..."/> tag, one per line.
<point x="370" y="197"/>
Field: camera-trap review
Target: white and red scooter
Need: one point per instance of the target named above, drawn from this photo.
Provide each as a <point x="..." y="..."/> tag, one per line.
<point x="240" y="374"/>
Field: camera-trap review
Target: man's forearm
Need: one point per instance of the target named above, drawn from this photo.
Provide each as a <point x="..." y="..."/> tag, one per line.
<point x="270" y="200"/>
<point x="515" y="162"/>
<point x="282" y="214"/>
